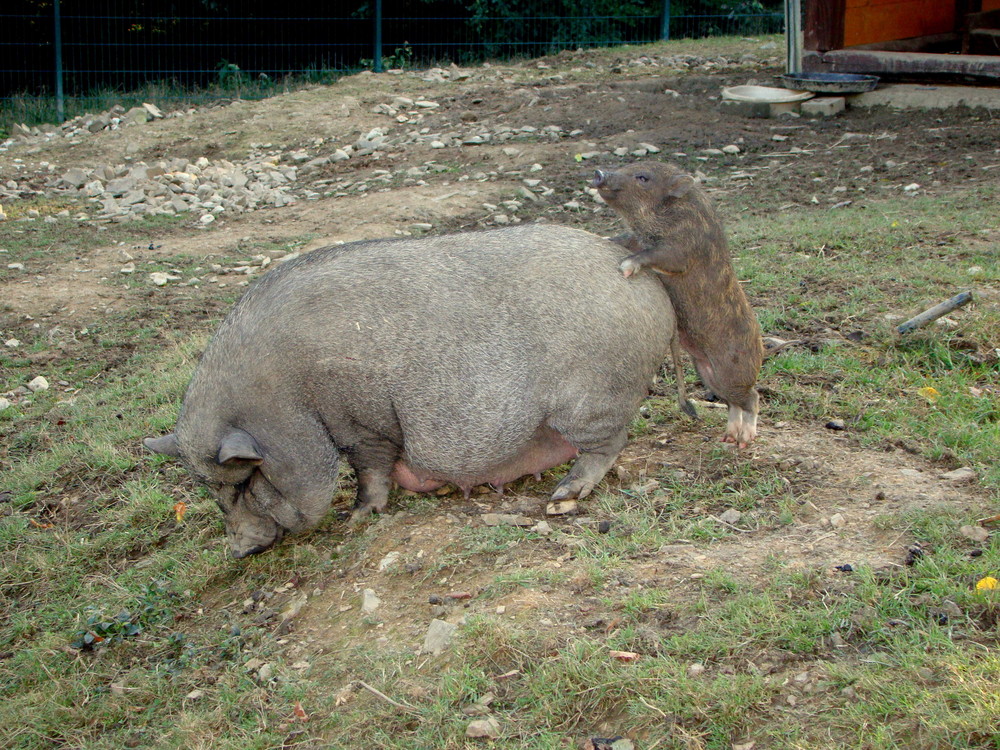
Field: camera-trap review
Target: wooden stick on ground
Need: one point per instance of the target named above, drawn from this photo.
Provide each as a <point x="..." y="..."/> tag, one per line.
<point x="386" y="698"/>
<point x="935" y="312"/>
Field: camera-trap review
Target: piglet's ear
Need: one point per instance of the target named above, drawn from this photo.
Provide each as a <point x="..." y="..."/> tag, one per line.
<point x="167" y="445"/>
<point x="680" y="186"/>
<point x="239" y="445"/>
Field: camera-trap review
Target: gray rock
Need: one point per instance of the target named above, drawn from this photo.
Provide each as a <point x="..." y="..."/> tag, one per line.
<point x="120" y="186"/>
<point x="960" y="476"/>
<point x="488" y="728"/>
<point x="98" y="123"/>
<point x="976" y="533"/>
<point x="4" y="403"/>
<point x="132" y="197"/>
<point x="160" y="278"/>
<point x="561" y="508"/>
<point x="137" y="115"/>
<point x="74" y="178"/>
<point x="389" y="560"/>
<point x="731" y="516"/>
<point x="369" y="601"/>
<point x="153" y="110"/>
<point x="38" y="384"/>
<point x="439" y="636"/>
<point x="314" y="165"/>
<point x="506" y="519"/>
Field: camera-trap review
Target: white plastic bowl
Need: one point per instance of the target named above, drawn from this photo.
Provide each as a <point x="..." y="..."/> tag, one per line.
<point x="765" y="94"/>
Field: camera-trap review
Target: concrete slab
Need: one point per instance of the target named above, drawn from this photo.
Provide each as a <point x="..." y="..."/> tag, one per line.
<point x="759" y="109"/>
<point x="823" y="106"/>
<point x="923" y="96"/>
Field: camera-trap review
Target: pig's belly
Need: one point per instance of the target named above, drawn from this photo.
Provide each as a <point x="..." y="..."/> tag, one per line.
<point x="547" y="449"/>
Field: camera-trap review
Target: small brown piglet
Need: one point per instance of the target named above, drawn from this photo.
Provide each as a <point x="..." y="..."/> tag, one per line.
<point x="676" y="232"/>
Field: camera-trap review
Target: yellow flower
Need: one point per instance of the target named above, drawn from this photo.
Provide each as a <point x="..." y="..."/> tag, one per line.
<point x="931" y="394"/>
<point x="989" y="583"/>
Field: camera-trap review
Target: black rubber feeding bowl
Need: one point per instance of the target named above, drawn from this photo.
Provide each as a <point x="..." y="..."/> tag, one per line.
<point x="830" y="83"/>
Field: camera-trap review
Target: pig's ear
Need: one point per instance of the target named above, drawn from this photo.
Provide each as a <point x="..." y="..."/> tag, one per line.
<point x="167" y="445"/>
<point x="680" y="186"/>
<point x="239" y="446"/>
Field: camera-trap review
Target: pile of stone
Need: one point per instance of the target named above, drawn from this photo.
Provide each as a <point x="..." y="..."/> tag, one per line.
<point x="694" y="62"/>
<point x="115" y="118"/>
<point x="173" y="186"/>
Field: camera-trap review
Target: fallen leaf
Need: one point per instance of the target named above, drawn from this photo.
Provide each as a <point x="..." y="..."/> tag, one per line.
<point x="300" y="713"/>
<point x="623" y="655"/>
<point x="180" y="508"/>
<point x="40" y="525"/>
<point x="989" y="583"/>
<point x="344" y="695"/>
<point x="931" y="394"/>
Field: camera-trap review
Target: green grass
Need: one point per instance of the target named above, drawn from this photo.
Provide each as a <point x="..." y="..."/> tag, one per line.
<point x="820" y="276"/>
<point x="39" y="244"/>
<point x="31" y="109"/>
<point x="900" y="676"/>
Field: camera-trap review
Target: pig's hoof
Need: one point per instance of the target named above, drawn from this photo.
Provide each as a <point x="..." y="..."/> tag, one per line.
<point x="359" y="515"/>
<point x="567" y="488"/>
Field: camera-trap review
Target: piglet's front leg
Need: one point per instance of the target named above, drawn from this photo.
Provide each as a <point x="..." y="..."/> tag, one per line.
<point x="660" y="260"/>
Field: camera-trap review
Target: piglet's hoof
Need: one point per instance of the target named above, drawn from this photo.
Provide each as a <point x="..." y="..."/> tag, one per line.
<point x="740" y="442"/>
<point x="629" y="267"/>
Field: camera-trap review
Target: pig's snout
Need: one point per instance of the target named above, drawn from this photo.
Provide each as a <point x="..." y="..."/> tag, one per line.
<point x="600" y="178"/>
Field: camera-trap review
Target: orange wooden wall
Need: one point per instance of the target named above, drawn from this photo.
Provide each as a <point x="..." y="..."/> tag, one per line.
<point x="868" y="21"/>
<point x="991" y="4"/>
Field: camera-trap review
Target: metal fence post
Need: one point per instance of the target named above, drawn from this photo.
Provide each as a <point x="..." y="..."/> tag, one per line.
<point x="377" y="59"/>
<point x="793" y="36"/>
<point x="665" y="21"/>
<point x="60" y="105"/>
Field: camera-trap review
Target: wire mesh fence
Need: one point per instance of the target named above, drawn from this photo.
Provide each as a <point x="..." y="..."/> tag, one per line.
<point x="88" y="54"/>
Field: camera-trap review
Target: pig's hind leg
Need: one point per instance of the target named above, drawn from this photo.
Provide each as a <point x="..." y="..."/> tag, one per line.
<point x="599" y="441"/>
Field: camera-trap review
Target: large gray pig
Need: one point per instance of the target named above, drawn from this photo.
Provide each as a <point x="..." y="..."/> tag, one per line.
<point x="463" y="359"/>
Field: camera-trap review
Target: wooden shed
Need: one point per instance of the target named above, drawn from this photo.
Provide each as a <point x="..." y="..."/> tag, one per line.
<point x="912" y="38"/>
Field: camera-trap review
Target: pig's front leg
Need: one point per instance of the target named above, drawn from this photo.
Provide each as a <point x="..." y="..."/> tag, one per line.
<point x="373" y="459"/>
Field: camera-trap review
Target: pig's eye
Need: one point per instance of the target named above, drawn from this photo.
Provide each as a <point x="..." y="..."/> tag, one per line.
<point x="642" y="178"/>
